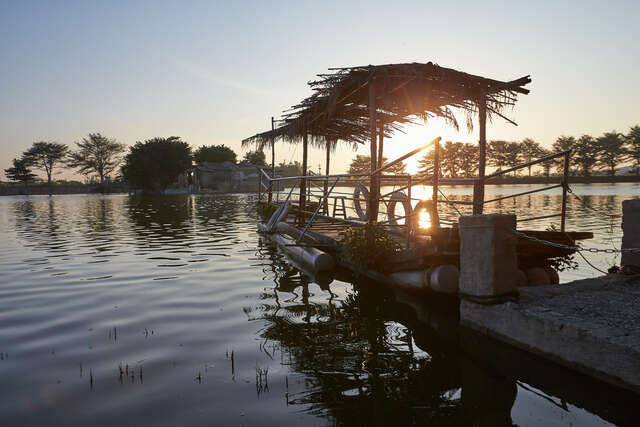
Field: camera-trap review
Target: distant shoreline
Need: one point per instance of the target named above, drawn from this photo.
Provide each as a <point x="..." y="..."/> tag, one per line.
<point x="43" y="189"/>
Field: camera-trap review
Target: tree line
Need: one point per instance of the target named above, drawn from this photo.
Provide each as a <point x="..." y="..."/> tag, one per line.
<point x="588" y="155"/>
<point x="152" y="164"/>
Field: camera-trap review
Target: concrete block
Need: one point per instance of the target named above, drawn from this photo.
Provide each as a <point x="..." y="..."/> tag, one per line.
<point x="488" y="259"/>
<point x="631" y="231"/>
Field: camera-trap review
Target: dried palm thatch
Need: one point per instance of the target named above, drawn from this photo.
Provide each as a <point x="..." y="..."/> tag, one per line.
<point x="338" y="109"/>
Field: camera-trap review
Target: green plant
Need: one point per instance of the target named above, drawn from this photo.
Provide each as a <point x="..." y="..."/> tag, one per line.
<point x="562" y="263"/>
<point x="368" y="245"/>
<point x="265" y="210"/>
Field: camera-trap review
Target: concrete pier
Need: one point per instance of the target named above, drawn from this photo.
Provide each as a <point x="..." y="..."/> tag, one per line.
<point x="631" y="236"/>
<point x="592" y="325"/>
<point x="488" y="259"/>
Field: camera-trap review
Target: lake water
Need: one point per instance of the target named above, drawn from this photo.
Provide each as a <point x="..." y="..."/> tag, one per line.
<point x="119" y="310"/>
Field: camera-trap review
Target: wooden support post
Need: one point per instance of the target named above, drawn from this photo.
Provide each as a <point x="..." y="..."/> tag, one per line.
<point x="380" y="143"/>
<point x="372" y="211"/>
<point x="303" y="182"/>
<point x="565" y="186"/>
<point x="409" y="219"/>
<point x="326" y="181"/>
<point x="478" y="188"/>
<point x="273" y="161"/>
<point x="436" y="174"/>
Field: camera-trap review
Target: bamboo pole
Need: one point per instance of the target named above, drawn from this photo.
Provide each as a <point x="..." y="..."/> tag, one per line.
<point x="372" y="210"/>
<point x="436" y="174"/>
<point x="380" y="142"/>
<point x="303" y="181"/>
<point x="565" y="186"/>
<point x="273" y="160"/>
<point x="478" y="188"/>
<point x="326" y="182"/>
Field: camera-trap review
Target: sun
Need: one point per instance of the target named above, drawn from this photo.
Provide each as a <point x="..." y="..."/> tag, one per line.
<point x="418" y="135"/>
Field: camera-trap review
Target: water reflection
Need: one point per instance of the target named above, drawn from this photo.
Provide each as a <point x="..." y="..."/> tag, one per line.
<point x="379" y="357"/>
<point x="227" y="330"/>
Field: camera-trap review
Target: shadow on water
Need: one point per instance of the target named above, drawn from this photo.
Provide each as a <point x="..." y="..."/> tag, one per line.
<point x="236" y="328"/>
<point x="379" y="357"/>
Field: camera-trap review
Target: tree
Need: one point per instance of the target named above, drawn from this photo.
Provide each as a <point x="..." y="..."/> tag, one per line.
<point x="97" y="154"/>
<point x="425" y="165"/>
<point x="469" y="155"/>
<point x="503" y="153"/>
<point x="214" y="153"/>
<point x="45" y="156"/>
<point x="290" y="169"/>
<point x="362" y="164"/>
<point x="585" y="154"/>
<point x="156" y="163"/>
<point x="611" y="151"/>
<point x="546" y="166"/>
<point x="530" y="150"/>
<point x="450" y="157"/>
<point x="256" y="158"/>
<point x="563" y="143"/>
<point x="20" y="171"/>
<point x="633" y="146"/>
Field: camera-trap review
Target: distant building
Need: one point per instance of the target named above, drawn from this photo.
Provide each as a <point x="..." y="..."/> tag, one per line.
<point x="222" y="176"/>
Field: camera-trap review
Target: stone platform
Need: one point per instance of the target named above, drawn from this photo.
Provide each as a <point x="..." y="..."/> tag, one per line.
<point x="590" y="325"/>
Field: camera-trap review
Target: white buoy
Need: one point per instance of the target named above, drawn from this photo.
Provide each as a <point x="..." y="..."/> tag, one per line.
<point x="413" y="280"/>
<point x="444" y="279"/>
<point x="314" y="258"/>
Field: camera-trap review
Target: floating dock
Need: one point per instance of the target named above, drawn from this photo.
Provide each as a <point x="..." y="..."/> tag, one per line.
<point x="503" y="273"/>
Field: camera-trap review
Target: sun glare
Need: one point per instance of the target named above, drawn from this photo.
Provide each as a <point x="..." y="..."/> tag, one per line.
<point x="418" y="135"/>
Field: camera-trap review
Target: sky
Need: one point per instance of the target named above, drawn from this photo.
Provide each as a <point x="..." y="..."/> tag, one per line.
<point x="214" y="72"/>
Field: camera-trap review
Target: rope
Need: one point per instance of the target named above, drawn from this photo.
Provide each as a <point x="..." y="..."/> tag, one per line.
<point x="587" y="261"/>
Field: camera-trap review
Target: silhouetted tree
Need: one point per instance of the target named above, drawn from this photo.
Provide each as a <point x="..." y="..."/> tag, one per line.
<point x="156" y="163"/>
<point x="20" y="171"/>
<point x="546" y="166"/>
<point x="530" y="150"/>
<point x="362" y="164"/>
<point x="97" y="154"/>
<point x="451" y="158"/>
<point x="633" y="146"/>
<point x="257" y="158"/>
<point x="45" y="156"/>
<point x="425" y="165"/>
<point x="214" y="153"/>
<point x="611" y="151"/>
<point x="290" y="169"/>
<point x="563" y="143"/>
<point x="503" y="154"/>
<point x="469" y="159"/>
<point x="585" y="154"/>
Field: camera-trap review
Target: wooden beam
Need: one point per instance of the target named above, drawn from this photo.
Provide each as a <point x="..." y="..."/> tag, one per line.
<point x="273" y="160"/>
<point x="380" y="143"/>
<point x="326" y="182"/>
<point x="478" y="188"/>
<point x="372" y="211"/>
<point x="436" y="174"/>
<point x="303" y="181"/>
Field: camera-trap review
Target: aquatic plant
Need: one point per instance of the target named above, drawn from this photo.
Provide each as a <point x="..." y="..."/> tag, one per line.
<point x="265" y="210"/>
<point x="366" y="246"/>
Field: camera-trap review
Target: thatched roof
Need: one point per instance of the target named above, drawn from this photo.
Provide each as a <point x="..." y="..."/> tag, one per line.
<point x="339" y="105"/>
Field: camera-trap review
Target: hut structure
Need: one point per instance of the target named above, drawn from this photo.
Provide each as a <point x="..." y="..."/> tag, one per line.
<point x="365" y="105"/>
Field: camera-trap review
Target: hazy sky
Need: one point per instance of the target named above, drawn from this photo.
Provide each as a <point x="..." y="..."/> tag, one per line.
<point x="215" y="72"/>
